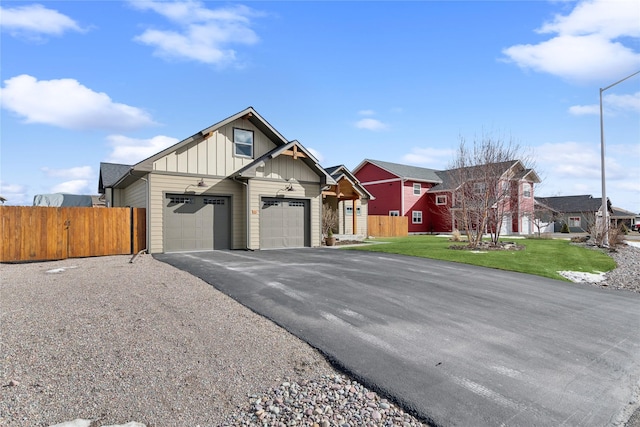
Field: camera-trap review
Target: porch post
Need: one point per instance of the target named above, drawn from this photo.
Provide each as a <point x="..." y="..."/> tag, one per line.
<point x="355" y="217"/>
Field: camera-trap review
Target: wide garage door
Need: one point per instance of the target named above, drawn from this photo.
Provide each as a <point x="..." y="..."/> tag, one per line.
<point x="284" y="223"/>
<point x="196" y="223"/>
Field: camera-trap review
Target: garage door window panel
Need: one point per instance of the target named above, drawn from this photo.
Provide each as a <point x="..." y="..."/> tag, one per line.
<point x="196" y="223"/>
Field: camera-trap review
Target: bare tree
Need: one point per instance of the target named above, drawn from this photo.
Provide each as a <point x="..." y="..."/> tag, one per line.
<point x="485" y="191"/>
<point x="329" y="220"/>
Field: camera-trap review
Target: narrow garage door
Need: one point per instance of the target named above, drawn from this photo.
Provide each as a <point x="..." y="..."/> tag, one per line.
<point x="196" y="223"/>
<point x="284" y="223"/>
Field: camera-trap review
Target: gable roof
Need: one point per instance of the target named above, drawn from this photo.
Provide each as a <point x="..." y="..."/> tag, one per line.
<point x="110" y="173"/>
<point x="527" y="173"/>
<point x="446" y="180"/>
<point x="249" y="171"/>
<point x="622" y="213"/>
<point x="341" y="171"/>
<point x="249" y="113"/>
<point x="451" y="177"/>
<point x="570" y="204"/>
<point x="406" y="172"/>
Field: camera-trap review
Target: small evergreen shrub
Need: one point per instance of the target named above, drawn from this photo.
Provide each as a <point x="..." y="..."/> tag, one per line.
<point x="565" y="228"/>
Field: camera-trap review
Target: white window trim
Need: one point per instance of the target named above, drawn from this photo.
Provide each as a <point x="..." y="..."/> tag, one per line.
<point x="416" y="219"/>
<point x="526" y="186"/>
<point x="348" y="210"/>
<point x="236" y="143"/>
<point x="573" y="222"/>
<point x="417" y="186"/>
<point x="439" y="203"/>
<point x="394" y="213"/>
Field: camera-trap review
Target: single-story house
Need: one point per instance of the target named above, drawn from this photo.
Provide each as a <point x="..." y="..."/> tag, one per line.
<point x="429" y="197"/>
<point x="621" y="216"/>
<point x="578" y="212"/>
<point x="238" y="184"/>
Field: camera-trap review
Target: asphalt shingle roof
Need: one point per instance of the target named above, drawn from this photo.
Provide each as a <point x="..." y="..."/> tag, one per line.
<point x="110" y="173"/>
<point x="408" y="172"/>
<point x="331" y="170"/>
<point x="567" y="204"/>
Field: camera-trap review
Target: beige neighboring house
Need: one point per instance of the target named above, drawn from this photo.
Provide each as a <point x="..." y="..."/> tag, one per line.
<point x="345" y="197"/>
<point x="238" y="184"/>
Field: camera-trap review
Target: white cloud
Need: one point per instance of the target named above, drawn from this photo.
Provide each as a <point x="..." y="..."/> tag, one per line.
<point x="11" y="191"/>
<point x="629" y="186"/>
<point x="80" y="172"/>
<point x="582" y="110"/>
<point x="578" y="160"/>
<point x="612" y="104"/>
<point x="629" y="102"/>
<point x="428" y="156"/>
<point x="587" y="45"/>
<point x="131" y="150"/>
<point x="202" y="34"/>
<point x="68" y="104"/>
<point x="366" y="112"/>
<point x="609" y="18"/>
<point x="77" y="186"/>
<point x="319" y="157"/>
<point x="33" y="21"/>
<point x="371" y="124"/>
<point x="11" y="188"/>
<point x="16" y="194"/>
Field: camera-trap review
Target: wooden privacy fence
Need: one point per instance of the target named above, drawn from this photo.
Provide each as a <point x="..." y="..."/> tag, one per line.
<point x="34" y="233"/>
<point x="387" y="226"/>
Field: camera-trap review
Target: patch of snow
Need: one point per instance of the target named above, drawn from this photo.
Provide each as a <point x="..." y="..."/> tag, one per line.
<point x="630" y="243"/>
<point x="75" y="423"/>
<point x="479" y="252"/>
<point x="580" y="277"/>
<point x="60" y="270"/>
<point x="86" y="423"/>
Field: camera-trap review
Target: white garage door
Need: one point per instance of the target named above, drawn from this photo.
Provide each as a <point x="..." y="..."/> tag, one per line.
<point x="284" y="223"/>
<point x="196" y="223"/>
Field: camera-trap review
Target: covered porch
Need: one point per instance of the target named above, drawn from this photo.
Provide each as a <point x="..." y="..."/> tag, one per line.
<point x="345" y="205"/>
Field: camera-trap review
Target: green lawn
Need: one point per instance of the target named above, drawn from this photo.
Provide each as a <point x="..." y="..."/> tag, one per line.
<point x="542" y="257"/>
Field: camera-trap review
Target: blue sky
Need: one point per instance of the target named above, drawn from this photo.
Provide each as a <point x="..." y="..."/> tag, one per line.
<point x="84" y="82"/>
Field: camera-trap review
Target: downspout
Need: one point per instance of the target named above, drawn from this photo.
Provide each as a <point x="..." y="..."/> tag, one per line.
<point x="402" y="181"/>
<point x="147" y="217"/>
<point x="248" y="208"/>
<point x="147" y="213"/>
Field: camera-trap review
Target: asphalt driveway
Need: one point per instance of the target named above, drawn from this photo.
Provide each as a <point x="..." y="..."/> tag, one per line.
<point x="456" y="344"/>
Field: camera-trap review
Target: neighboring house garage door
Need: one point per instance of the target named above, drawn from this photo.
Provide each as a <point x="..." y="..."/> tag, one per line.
<point x="284" y="223"/>
<point x="196" y="223"/>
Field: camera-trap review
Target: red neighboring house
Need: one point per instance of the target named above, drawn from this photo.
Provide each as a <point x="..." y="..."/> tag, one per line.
<point x="427" y="196"/>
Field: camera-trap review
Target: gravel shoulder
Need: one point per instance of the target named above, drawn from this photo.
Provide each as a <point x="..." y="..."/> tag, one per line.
<point x="112" y="341"/>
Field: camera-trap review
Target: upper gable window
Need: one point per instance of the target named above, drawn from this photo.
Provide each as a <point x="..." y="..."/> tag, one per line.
<point x="416" y="189"/>
<point x="526" y="189"/>
<point x="243" y="142"/>
<point x="479" y="187"/>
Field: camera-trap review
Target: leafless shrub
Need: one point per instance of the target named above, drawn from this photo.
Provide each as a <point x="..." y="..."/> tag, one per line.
<point x="329" y="220"/>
